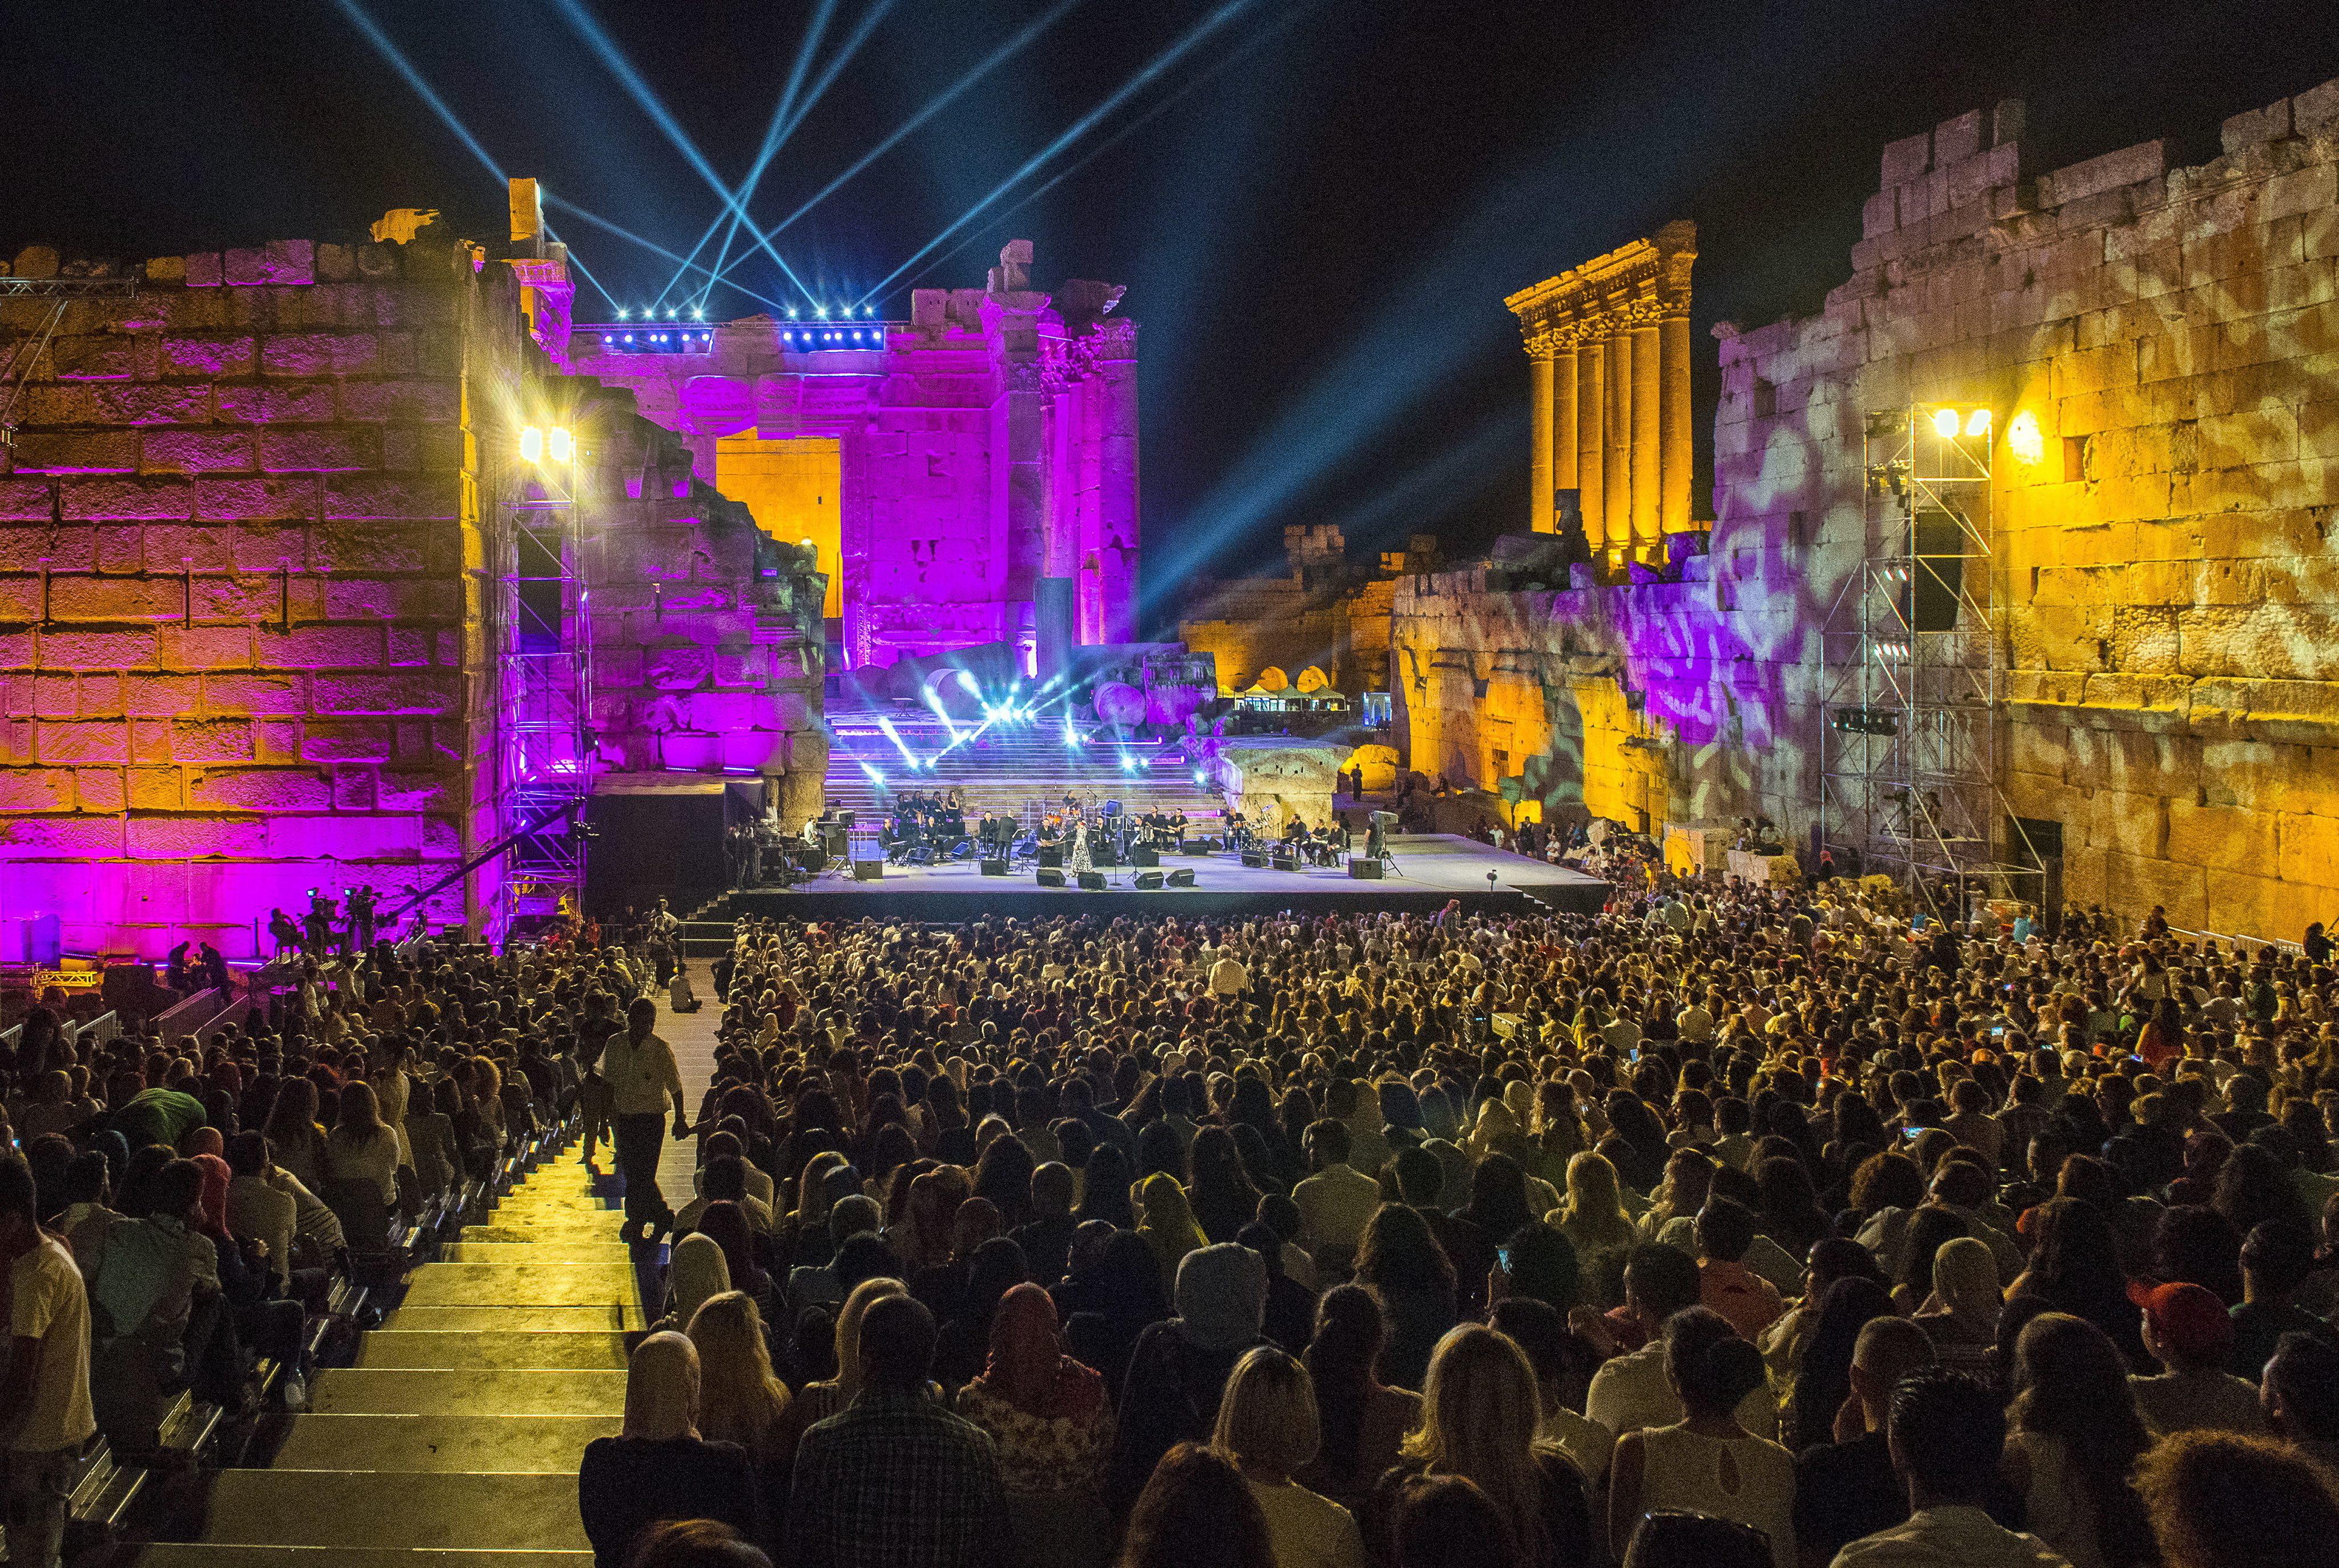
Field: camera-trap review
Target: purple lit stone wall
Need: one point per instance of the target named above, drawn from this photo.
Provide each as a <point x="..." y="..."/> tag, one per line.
<point x="240" y="653"/>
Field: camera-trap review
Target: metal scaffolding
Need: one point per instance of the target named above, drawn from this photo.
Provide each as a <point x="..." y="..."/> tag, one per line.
<point x="1911" y="666"/>
<point x="544" y="692"/>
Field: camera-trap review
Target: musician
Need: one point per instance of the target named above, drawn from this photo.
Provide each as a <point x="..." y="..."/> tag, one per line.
<point x="1177" y="829"/>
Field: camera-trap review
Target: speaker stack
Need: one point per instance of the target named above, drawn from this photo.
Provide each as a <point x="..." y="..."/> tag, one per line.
<point x="1255" y="858"/>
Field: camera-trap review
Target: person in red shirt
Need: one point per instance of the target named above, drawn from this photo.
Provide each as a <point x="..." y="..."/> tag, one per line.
<point x="1725" y="1229"/>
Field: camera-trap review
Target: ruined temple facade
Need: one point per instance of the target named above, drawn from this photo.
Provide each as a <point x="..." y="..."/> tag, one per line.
<point x="2158" y="347"/>
<point x="968" y="476"/>
<point x="257" y="570"/>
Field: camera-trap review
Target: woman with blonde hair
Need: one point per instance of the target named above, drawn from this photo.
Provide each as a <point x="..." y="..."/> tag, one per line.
<point x="1165" y="1224"/>
<point x="1267" y="1426"/>
<point x="1592" y="1215"/>
<point x="1480" y="1408"/>
<point x="362" y="1147"/>
<point x="739" y="1398"/>
<point x="1962" y="1315"/>
<point x="659" y="1467"/>
<point x="819" y="1401"/>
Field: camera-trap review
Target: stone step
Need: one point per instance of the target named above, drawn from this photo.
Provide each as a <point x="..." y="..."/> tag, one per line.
<point x="407" y="1349"/>
<point x="592" y="1226"/>
<point x="195" y="1554"/>
<point x="412" y="1444"/>
<point x="345" y="1508"/>
<point x="552" y="1250"/>
<point x="520" y="1285"/>
<point x="608" y="1316"/>
<point x="382" y="1391"/>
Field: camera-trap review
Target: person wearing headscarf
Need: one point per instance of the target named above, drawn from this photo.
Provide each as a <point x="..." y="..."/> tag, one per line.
<point x="1180" y="1368"/>
<point x="697" y="1274"/>
<point x="1048" y="1415"/>
<point x="658" y="1467"/>
<point x="270" y="1327"/>
<point x="1166" y="1223"/>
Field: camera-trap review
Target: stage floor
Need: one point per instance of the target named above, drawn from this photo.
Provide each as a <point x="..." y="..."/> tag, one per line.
<point x="1430" y="869"/>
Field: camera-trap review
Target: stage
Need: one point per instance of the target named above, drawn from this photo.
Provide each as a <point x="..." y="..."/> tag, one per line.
<point x="1429" y="870"/>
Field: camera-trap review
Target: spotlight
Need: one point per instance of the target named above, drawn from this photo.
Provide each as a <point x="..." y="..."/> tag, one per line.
<point x="868" y="309"/>
<point x="822" y="311"/>
<point x="1978" y="422"/>
<point x="792" y="312"/>
<point x="621" y="313"/>
<point x="1945" y="423"/>
<point x="560" y="443"/>
<point x="696" y="314"/>
<point x="629" y="337"/>
<point x="1197" y="777"/>
<point x="531" y="445"/>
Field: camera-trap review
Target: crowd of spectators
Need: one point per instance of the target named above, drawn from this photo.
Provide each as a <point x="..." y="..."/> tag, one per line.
<point x="1730" y="1225"/>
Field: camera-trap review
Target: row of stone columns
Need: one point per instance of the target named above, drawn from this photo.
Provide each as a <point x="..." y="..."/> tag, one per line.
<point x="1609" y="392"/>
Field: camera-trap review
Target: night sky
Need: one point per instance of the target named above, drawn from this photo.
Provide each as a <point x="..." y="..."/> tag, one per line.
<point x="1317" y="204"/>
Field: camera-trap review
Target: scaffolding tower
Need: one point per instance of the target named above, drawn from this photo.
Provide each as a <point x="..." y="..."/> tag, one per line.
<point x="1912" y="672"/>
<point x="544" y="693"/>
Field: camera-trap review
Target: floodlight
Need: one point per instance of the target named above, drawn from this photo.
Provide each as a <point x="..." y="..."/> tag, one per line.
<point x="1945" y="423"/>
<point x="1978" y="422"/>
<point x="559" y="444"/>
<point x="531" y="445"/>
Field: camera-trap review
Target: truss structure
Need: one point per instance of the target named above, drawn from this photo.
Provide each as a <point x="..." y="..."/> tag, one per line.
<point x="544" y="694"/>
<point x="1912" y="671"/>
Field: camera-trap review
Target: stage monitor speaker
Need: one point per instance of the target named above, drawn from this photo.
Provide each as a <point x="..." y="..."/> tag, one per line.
<point x="1149" y="882"/>
<point x="1139" y="856"/>
<point x="1049" y="876"/>
<point x="994" y="868"/>
<point x="1052" y="857"/>
<point x="1182" y="877"/>
<point x="869" y="871"/>
<point x="1255" y="858"/>
<point x="1285" y="862"/>
<point x="1929" y="602"/>
<point x="1200" y="845"/>
<point x="1092" y="881"/>
<point x="1102" y="854"/>
<point x="1364" y="870"/>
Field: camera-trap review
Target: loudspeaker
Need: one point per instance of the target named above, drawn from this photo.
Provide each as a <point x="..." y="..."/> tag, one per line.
<point x="1050" y="877"/>
<point x="1930" y="600"/>
<point x="994" y="868"/>
<point x="1052" y="855"/>
<point x="1255" y="858"/>
<point x="1182" y="877"/>
<point x="1149" y="882"/>
<point x="1364" y="870"/>
<point x="1092" y="881"/>
<point x="1141" y="855"/>
<point x="1102" y="854"/>
<point x="1200" y="846"/>
<point x="869" y="871"/>
<point x="1285" y="862"/>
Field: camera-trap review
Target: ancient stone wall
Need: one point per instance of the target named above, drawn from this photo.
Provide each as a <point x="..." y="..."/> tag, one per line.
<point x="2159" y="349"/>
<point x="706" y="630"/>
<point x="238" y="644"/>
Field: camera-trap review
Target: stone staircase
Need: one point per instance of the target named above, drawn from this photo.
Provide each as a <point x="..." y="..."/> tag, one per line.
<point x="456" y="1435"/>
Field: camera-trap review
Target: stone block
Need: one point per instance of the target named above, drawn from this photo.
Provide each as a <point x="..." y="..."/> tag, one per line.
<point x="208" y="358"/>
<point x="2316" y="109"/>
<point x="401" y="400"/>
<point x="74" y="599"/>
<point x="166" y="268"/>
<point x="124" y="650"/>
<point x="1958" y="139"/>
<point x="286" y="452"/>
<point x="2218" y="835"/>
<point x="344" y="547"/>
<point x="77" y="451"/>
<point x="336" y="263"/>
<point x="203" y="270"/>
<point x="159" y="696"/>
<point x="100" y="790"/>
<point x="1907" y="159"/>
<point x="2145" y="161"/>
<point x="2135" y="882"/>
<point x="92" y="359"/>
<point x="151" y="403"/>
<point x="319" y="647"/>
<point x="193" y="451"/>
<point x="2308" y="849"/>
<point x="304" y="403"/>
<point x="106" y="741"/>
<point x="285" y="499"/>
<point x="426" y="496"/>
<point x="212" y="741"/>
<point x="206" y="647"/>
<point x="156" y="789"/>
<point x="2256" y="126"/>
<point x="346" y="741"/>
<point x="263" y="789"/>
<point x="161" y="500"/>
<point x="37" y="789"/>
<point x="406" y="692"/>
<point x="321" y="354"/>
<point x="37" y="261"/>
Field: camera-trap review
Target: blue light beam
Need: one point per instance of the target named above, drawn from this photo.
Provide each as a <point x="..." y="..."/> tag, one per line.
<point x="1079" y="128"/>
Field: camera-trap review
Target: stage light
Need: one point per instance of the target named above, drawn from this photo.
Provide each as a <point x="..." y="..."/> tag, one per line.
<point x="531" y="445"/>
<point x="696" y="314"/>
<point x="1199" y="778"/>
<point x="1945" y="423"/>
<point x="629" y="337"/>
<point x="559" y="444"/>
<point x="621" y="313"/>
<point x="1978" y="422"/>
<point x="821" y="311"/>
<point x="792" y="312"/>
